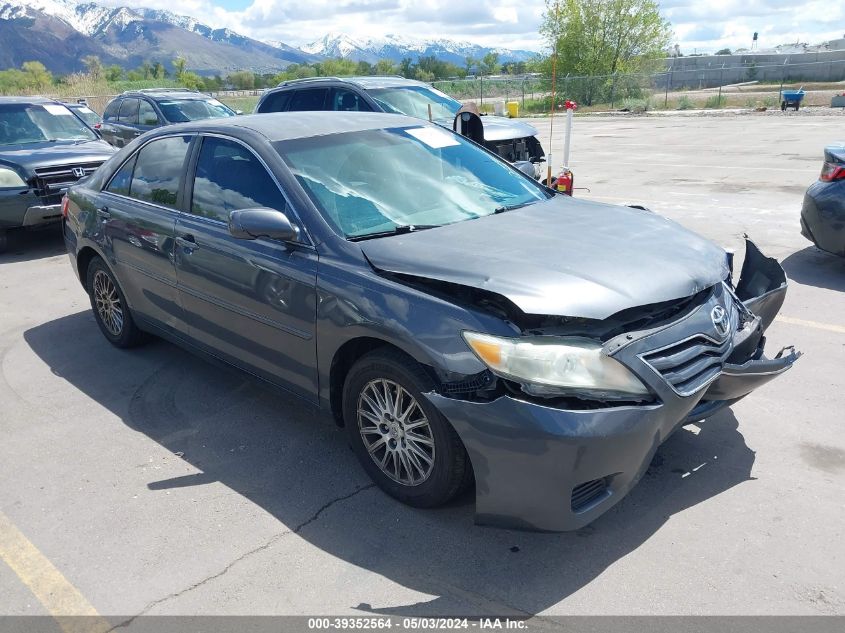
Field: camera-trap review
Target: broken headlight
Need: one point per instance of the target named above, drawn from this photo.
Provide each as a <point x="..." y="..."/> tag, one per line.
<point x="567" y="365"/>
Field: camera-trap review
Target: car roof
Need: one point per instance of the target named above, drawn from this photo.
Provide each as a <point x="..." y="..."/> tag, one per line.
<point x="27" y="100"/>
<point x="364" y="82"/>
<point x="286" y="126"/>
<point x="166" y="93"/>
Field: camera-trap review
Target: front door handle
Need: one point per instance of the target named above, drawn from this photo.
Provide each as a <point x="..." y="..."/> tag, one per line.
<point x="104" y="213"/>
<point x="187" y="242"/>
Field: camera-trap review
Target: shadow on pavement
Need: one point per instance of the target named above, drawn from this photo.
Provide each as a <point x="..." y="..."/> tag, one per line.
<point x="814" y="267"/>
<point x="294" y="463"/>
<point x="27" y="245"/>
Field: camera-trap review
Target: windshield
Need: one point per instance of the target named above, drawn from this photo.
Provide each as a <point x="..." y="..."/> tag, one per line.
<point x="414" y="101"/>
<point x="22" y="123"/>
<point x="374" y="181"/>
<point x="87" y="114"/>
<point x="181" y="111"/>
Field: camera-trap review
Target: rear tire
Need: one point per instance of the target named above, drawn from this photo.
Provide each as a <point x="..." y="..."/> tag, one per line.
<point x="403" y="442"/>
<point x="110" y="308"/>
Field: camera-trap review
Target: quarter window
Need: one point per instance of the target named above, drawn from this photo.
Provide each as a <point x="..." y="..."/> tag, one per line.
<point x="111" y="110"/>
<point x="275" y="102"/>
<point x="158" y="170"/>
<point x="348" y="101"/>
<point x="229" y="177"/>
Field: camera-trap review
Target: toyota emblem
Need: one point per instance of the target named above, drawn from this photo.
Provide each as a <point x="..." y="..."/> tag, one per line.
<point x="721" y="321"/>
<point x="78" y="172"/>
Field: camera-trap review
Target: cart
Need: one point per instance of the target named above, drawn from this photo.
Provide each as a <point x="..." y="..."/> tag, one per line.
<point x="791" y="98"/>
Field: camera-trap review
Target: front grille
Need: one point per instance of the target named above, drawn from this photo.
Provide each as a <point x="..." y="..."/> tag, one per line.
<point x="691" y="364"/>
<point x="587" y="494"/>
<point x="516" y="149"/>
<point x="52" y="180"/>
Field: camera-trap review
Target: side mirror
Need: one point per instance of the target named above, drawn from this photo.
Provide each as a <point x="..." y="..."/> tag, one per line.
<point x="239" y="111"/>
<point x="248" y="224"/>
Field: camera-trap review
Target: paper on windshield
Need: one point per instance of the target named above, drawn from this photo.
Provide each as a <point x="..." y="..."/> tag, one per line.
<point x="433" y="137"/>
<point x="57" y="109"/>
<point x="85" y="110"/>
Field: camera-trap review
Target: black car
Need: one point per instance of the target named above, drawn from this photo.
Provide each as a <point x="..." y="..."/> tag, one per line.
<point x="129" y="115"/>
<point x="462" y="321"/>
<point x="43" y="149"/>
<point x="823" y="212"/>
<point x="515" y="141"/>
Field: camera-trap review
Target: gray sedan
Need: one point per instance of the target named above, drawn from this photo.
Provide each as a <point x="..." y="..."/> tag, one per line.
<point x="466" y="325"/>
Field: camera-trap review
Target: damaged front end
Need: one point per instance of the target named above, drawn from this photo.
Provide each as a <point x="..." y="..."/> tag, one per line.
<point x="552" y="458"/>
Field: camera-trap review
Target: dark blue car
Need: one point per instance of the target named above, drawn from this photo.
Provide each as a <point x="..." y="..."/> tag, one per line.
<point x="823" y="212"/>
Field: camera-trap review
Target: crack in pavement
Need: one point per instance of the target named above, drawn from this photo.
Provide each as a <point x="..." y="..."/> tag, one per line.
<point x="272" y="541"/>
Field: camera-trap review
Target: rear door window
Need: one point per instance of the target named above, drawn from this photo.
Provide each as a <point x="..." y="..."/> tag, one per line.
<point x="310" y="99"/>
<point x="121" y="180"/>
<point x="158" y="170"/>
<point x="128" y="112"/>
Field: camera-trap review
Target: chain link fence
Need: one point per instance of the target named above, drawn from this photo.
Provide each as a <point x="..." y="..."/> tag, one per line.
<point x="711" y="86"/>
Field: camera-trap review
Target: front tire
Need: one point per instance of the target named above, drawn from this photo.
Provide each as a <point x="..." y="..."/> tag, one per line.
<point x="403" y="442"/>
<point x="110" y="308"/>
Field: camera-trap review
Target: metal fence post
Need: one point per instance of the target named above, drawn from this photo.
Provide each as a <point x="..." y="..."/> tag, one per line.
<point x="481" y="88"/>
<point x="523" y="93"/>
<point x="668" y="82"/>
<point x="612" y="89"/>
<point x="721" y="81"/>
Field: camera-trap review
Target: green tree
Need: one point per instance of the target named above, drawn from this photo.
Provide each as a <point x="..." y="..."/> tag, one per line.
<point x="385" y="67"/>
<point x="36" y="75"/>
<point x="159" y="71"/>
<point x="178" y="67"/>
<point x="490" y="63"/>
<point x="241" y="80"/>
<point x="406" y="68"/>
<point x="724" y="51"/>
<point x="192" y="81"/>
<point x="113" y="73"/>
<point x="602" y="37"/>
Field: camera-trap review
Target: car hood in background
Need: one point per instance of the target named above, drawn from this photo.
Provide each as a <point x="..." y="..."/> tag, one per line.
<point x="499" y="128"/>
<point x="32" y="155"/>
<point x="562" y="257"/>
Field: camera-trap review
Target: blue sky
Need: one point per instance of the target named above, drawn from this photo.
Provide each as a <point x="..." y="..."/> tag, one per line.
<point x="702" y="26"/>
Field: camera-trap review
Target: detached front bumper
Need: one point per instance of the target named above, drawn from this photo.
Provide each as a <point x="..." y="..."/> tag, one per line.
<point x="546" y="468"/>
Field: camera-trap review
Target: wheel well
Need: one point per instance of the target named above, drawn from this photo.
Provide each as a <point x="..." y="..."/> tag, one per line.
<point x="344" y="358"/>
<point x="82" y="260"/>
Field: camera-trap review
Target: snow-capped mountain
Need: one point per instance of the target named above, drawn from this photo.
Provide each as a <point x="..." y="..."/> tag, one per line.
<point x="40" y="29"/>
<point x="397" y="47"/>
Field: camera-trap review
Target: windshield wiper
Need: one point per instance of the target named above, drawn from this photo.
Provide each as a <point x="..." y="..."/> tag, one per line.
<point x="400" y="229"/>
<point x="511" y="207"/>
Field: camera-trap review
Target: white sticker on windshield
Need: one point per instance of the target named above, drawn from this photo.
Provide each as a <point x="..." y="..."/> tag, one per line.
<point x="57" y="109"/>
<point x="85" y="110"/>
<point x="433" y="137"/>
<point x="215" y="102"/>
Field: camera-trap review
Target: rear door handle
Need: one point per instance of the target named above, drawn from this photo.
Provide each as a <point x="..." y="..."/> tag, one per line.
<point x="104" y="213"/>
<point x="187" y="242"/>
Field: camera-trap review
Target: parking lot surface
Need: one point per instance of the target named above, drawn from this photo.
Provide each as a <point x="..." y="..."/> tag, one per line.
<point x="152" y="482"/>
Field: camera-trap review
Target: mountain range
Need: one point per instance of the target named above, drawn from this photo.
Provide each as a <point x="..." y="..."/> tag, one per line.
<point x="59" y="33"/>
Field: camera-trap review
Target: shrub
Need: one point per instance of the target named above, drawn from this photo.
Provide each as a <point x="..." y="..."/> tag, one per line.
<point x="685" y="103"/>
<point x="715" y="101"/>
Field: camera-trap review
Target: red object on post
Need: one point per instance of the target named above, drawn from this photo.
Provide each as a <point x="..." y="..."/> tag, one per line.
<point x="570" y="105"/>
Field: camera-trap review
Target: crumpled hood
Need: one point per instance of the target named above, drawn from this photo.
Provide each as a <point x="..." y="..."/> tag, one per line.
<point x="498" y="128"/>
<point x="562" y="257"/>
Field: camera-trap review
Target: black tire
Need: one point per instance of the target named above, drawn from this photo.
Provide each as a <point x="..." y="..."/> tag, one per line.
<point x="4" y="241"/>
<point x="125" y="333"/>
<point x="783" y="106"/>
<point x="451" y="472"/>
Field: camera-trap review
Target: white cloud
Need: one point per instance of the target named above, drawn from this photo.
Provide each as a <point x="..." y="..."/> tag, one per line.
<point x="705" y="26"/>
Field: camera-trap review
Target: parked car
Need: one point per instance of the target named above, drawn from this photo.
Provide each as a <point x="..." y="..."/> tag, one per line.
<point x="460" y="320"/>
<point x="85" y="114"/>
<point x="130" y="114"/>
<point x="43" y="149"/>
<point x="823" y="212"/>
<point x="515" y="141"/>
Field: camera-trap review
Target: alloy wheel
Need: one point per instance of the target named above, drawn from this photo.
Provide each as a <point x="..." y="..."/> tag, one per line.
<point x="396" y="432"/>
<point x="108" y="304"/>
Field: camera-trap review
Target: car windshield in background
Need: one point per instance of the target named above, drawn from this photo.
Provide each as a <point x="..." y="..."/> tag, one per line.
<point x="22" y="123"/>
<point x="414" y="101"/>
<point x="86" y="114"/>
<point x="374" y="181"/>
<point x="183" y="110"/>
